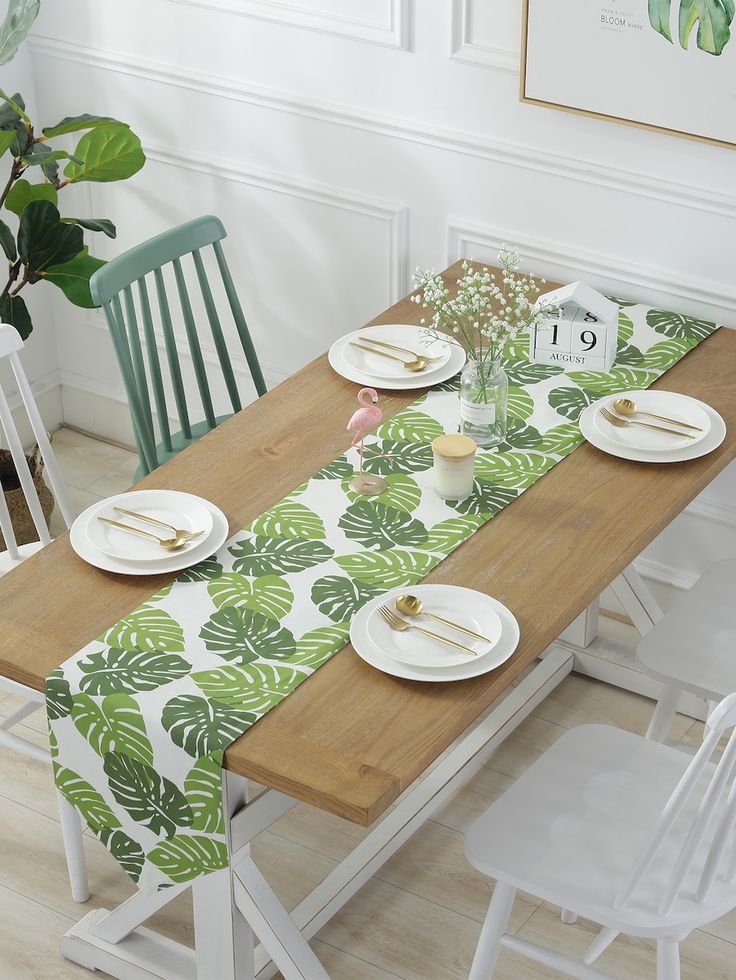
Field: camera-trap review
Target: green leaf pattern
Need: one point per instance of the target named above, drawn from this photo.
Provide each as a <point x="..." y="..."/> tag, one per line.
<point x="140" y="718"/>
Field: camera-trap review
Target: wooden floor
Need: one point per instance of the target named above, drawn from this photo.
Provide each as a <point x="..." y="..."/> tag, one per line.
<point x="418" y="919"/>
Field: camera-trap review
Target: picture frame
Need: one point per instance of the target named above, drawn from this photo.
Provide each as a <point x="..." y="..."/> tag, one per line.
<point x="576" y="26"/>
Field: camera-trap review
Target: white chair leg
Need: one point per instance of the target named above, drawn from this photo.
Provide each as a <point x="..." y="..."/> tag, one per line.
<point x="568" y="917"/>
<point x="489" y="944"/>
<point x="668" y="959"/>
<point x="664" y="713"/>
<point x="71" y="833"/>
<point x="599" y="945"/>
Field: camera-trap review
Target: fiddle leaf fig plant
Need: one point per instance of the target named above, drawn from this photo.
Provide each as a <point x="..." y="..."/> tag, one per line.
<point x="49" y="246"/>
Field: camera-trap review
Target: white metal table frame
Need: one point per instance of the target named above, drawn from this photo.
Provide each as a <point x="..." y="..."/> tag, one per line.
<point x="234" y="905"/>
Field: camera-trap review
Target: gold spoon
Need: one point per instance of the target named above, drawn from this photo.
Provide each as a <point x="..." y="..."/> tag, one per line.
<point x="419" y="364"/>
<point x="170" y="544"/>
<point x="402" y="350"/>
<point x="625" y="406"/>
<point x="410" y="605"/>
<point x="179" y="532"/>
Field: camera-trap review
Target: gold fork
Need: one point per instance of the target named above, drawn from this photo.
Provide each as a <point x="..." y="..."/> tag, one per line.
<point x="181" y="533"/>
<point x="399" y="624"/>
<point x="622" y="423"/>
<point x="405" y="350"/>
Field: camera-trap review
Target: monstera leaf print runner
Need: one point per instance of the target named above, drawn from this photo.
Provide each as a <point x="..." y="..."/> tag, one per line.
<point x="140" y="718"/>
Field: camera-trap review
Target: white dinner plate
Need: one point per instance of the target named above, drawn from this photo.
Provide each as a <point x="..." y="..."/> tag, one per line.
<point x="402" y="335"/>
<point x="669" y="404"/>
<point x="425" y="379"/>
<point x="174" y="562"/>
<point x="413" y="647"/>
<point x="181" y="510"/>
<point x="712" y="441"/>
<point x="487" y="613"/>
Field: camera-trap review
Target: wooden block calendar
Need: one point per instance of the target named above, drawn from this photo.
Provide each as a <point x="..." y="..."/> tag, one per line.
<point x="583" y="334"/>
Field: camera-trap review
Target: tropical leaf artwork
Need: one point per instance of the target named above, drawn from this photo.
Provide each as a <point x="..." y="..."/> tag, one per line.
<point x="711" y="20"/>
<point x="141" y="718"/>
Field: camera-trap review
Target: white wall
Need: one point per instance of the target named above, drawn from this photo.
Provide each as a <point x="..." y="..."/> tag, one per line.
<point x="344" y="142"/>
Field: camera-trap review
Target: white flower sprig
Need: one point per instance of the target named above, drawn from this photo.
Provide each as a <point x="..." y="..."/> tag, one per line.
<point x="484" y="314"/>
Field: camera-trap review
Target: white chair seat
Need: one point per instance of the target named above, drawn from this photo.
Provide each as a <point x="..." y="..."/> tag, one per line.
<point x="694" y="644"/>
<point x="572" y="827"/>
<point x="7" y="562"/>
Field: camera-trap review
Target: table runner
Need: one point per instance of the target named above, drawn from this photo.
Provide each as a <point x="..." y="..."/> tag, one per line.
<point x="140" y="718"/>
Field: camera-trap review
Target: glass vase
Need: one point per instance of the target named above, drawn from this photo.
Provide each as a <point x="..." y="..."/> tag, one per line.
<point x="484" y="392"/>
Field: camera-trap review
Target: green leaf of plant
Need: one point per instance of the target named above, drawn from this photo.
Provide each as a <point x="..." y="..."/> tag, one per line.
<point x="107" y="153"/>
<point x="58" y="696"/>
<point x="43" y="239"/>
<point x="185" y="858"/>
<point x="256" y="687"/>
<point x="339" y="598"/>
<point x="447" y="535"/>
<point x="524" y="372"/>
<point x="387" y="569"/>
<point x="84" y="798"/>
<point x="290" y="520"/>
<point x="14" y="310"/>
<point x="150" y="799"/>
<point x="203" y="790"/>
<point x="7" y="241"/>
<point x="613" y="381"/>
<point x="73" y="124"/>
<point x="22" y="193"/>
<point x="402" y="493"/>
<point x="338" y="469"/>
<point x="42" y="155"/>
<point x="570" y="402"/>
<point x="561" y="439"/>
<point x="680" y="326"/>
<point x="118" y="671"/>
<point x="18" y="21"/>
<point x="410" y="426"/>
<point x="713" y="18"/>
<point x="659" y="17"/>
<point x="94" y="224"/>
<point x="520" y="436"/>
<point x="513" y="469"/>
<point x="486" y="500"/>
<point x="127" y="852"/>
<point x="627" y="355"/>
<point x="114" y="725"/>
<point x="149" y="629"/>
<point x="7" y="138"/>
<point x="264" y="556"/>
<point x="242" y="635"/>
<point x="12" y="110"/>
<point x="625" y="327"/>
<point x="520" y="404"/>
<point x="663" y="355"/>
<point x="317" y="646"/>
<point x="408" y="457"/>
<point x="73" y="278"/>
<point x="377" y="526"/>
<point x="202" y="727"/>
<point x="269" y="594"/>
<point x="203" y="571"/>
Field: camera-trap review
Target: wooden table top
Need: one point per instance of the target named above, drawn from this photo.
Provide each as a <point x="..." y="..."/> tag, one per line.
<point x="351" y="739"/>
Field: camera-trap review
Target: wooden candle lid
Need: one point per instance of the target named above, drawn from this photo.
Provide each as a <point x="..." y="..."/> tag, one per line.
<point x="454" y="447"/>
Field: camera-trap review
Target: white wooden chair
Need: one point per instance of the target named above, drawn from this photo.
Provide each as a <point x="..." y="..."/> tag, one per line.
<point x="631" y="833"/>
<point x="693" y="646"/>
<point x="10" y="344"/>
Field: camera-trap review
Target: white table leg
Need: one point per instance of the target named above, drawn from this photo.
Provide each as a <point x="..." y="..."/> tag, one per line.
<point x="584" y="628"/>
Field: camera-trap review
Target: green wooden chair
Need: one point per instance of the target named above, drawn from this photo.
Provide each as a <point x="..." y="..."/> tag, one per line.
<point x="115" y="280"/>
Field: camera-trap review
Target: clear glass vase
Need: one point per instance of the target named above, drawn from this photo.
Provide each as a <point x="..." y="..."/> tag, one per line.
<point x="484" y="393"/>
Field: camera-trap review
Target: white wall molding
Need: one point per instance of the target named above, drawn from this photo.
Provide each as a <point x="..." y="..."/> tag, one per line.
<point x="711" y="509"/>
<point x="463" y="48"/>
<point x="393" y="32"/>
<point x="648" y="186"/>
<point x="665" y="574"/>
<point x="556" y="259"/>
<point x="394" y="215"/>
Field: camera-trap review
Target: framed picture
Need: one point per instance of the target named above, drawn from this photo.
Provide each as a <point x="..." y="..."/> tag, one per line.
<point x="667" y="65"/>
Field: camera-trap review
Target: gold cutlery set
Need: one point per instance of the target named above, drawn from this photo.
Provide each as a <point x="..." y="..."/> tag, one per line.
<point x="418" y="362"/>
<point x="409" y="605"/>
<point x="181" y="537"/>
<point x="627" y="407"/>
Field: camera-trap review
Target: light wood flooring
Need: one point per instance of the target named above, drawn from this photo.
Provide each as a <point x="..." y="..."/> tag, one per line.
<point x="418" y="919"/>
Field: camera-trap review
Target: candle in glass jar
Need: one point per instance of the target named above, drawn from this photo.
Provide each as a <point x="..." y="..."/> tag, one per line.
<point x="454" y="466"/>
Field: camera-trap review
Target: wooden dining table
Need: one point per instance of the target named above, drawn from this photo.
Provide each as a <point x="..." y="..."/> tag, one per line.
<point x="351" y="740"/>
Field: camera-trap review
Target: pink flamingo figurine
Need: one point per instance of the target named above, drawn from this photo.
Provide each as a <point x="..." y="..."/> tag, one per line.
<point x="366" y="418"/>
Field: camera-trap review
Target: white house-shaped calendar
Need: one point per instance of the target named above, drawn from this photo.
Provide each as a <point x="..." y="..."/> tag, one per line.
<point x="582" y="336"/>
